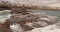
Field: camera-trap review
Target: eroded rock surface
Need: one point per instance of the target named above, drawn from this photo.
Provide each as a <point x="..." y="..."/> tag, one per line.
<point x="30" y="21"/>
<point x="23" y="20"/>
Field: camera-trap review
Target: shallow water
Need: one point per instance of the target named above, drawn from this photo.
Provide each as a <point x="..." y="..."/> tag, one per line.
<point x="48" y="12"/>
<point x="4" y="15"/>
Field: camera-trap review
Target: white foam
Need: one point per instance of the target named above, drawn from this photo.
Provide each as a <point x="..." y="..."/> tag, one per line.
<point x="51" y="28"/>
<point x="16" y="28"/>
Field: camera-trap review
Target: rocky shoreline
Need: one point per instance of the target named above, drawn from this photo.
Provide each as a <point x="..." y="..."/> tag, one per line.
<point x="27" y="21"/>
<point x="21" y="19"/>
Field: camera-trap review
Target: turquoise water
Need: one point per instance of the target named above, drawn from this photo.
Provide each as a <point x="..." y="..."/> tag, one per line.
<point x="4" y="14"/>
<point x="49" y="12"/>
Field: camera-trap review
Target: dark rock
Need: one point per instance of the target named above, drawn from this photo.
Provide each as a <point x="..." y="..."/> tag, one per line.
<point x="4" y="8"/>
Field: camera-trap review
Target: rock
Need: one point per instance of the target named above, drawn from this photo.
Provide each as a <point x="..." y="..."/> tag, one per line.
<point x="21" y="10"/>
<point x="5" y="28"/>
<point x="21" y="22"/>
<point x="29" y="21"/>
<point x="21" y="19"/>
<point x="4" y="8"/>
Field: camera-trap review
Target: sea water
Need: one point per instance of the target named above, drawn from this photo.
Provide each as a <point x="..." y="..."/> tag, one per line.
<point x="48" y="12"/>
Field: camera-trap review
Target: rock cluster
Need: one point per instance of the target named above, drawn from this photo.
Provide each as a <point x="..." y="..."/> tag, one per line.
<point x="21" y="21"/>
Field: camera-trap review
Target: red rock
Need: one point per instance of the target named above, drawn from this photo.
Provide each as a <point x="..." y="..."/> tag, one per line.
<point x="5" y="28"/>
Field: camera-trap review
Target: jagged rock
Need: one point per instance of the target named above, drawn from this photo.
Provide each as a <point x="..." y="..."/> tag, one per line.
<point x="30" y="21"/>
<point x="21" y="20"/>
<point x="27" y="22"/>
